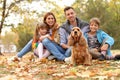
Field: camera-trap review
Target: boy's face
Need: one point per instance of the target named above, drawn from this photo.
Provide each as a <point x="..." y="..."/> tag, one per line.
<point x="43" y="31"/>
<point x="94" y="27"/>
<point x="70" y="15"/>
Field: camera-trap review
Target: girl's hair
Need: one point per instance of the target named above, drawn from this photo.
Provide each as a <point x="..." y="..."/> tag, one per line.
<point x="96" y="20"/>
<point x="48" y="14"/>
<point x="38" y="27"/>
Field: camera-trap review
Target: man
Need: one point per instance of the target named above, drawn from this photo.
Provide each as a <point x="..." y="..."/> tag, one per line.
<point x="62" y="51"/>
<point x="65" y="29"/>
<point x="72" y="21"/>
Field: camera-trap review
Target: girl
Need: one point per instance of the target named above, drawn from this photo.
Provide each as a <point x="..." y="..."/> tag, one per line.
<point x="99" y="42"/>
<point x="41" y="32"/>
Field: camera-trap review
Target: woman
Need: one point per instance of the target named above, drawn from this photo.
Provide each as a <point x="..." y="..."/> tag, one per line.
<point x="50" y="20"/>
<point x="53" y="47"/>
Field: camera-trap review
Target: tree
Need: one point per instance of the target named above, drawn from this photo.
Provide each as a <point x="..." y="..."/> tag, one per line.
<point x="25" y="32"/>
<point x="6" y="10"/>
<point x="108" y="11"/>
<point x="9" y="39"/>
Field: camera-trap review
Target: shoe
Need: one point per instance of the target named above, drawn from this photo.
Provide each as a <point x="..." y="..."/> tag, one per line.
<point x="67" y="60"/>
<point x="51" y="57"/>
<point x="15" y="58"/>
<point x="101" y="58"/>
<point x="117" y="57"/>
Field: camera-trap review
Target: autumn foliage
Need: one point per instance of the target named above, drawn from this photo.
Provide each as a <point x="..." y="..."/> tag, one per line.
<point x="30" y="68"/>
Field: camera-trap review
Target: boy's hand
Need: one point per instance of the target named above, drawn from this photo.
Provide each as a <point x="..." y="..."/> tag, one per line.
<point x="94" y="49"/>
<point x="104" y="47"/>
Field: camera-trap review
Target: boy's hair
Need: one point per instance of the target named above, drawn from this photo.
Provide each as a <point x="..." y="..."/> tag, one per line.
<point x="96" y="20"/>
<point x="67" y="8"/>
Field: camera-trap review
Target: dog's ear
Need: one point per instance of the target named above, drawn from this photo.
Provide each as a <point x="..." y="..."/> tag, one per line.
<point x="70" y="40"/>
<point x="82" y="40"/>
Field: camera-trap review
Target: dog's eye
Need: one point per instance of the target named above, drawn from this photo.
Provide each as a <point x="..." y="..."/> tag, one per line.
<point x="78" y="29"/>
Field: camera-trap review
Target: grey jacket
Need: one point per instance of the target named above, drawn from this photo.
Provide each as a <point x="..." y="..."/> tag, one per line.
<point x="84" y="26"/>
<point x="65" y="29"/>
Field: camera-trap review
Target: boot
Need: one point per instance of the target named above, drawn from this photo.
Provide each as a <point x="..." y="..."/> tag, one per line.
<point x="101" y="58"/>
<point x="117" y="57"/>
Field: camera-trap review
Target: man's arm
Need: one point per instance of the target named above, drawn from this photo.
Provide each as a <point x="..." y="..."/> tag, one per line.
<point x="63" y="38"/>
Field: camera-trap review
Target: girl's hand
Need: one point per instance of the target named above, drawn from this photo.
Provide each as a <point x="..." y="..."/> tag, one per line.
<point x="104" y="47"/>
<point x="43" y="37"/>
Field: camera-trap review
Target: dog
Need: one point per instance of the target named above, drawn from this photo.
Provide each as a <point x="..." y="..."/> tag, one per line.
<point x="79" y="53"/>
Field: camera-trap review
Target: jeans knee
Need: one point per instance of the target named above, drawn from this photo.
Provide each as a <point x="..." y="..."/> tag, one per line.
<point x="45" y="41"/>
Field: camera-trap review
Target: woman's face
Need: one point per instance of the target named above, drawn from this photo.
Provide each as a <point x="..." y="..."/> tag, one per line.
<point x="50" y="20"/>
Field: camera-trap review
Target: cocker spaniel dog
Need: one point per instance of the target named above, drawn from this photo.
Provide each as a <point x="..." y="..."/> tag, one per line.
<point x="79" y="53"/>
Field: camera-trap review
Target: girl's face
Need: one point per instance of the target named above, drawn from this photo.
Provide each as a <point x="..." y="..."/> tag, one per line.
<point x="94" y="27"/>
<point x="43" y="31"/>
<point x="50" y="20"/>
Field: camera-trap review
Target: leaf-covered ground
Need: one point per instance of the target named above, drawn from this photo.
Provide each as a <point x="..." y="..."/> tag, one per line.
<point x="30" y="68"/>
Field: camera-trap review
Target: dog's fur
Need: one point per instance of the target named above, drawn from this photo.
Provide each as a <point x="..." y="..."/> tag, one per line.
<point x="79" y="53"/>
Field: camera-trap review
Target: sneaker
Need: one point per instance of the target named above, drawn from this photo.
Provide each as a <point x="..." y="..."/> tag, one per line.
<point x="117" y="57"/>
<point x="51" y="57"/>
<point x="101" y="58"/>
<point x="15" y="58"/>
<point x="67" y="60"/>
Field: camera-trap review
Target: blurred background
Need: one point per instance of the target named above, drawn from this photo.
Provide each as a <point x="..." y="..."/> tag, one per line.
<point x="18" y="18"/>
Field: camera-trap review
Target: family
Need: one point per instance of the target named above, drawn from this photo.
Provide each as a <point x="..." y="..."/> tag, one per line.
<point x="44" y="41"/>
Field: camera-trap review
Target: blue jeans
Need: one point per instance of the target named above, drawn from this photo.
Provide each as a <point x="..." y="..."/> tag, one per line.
<point x="27" y="48"/>
<point x="55" y="49"/>
<point x="68" y="52"/>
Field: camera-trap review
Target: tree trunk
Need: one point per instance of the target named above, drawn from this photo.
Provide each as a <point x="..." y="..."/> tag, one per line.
<point x="3" y="15"/>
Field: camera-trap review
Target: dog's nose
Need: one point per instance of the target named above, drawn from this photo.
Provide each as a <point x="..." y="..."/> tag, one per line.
<point x="75" y="32"/>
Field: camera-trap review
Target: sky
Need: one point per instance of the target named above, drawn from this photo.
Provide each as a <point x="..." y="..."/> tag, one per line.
<point x="33" y="6"/>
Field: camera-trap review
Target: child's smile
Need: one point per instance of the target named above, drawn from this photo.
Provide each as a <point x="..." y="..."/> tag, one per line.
<point x="94" y="27"/>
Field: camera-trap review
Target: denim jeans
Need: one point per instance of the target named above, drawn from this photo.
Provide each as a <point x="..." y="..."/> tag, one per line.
<point x="27" y="48"/>
<point x="55" y="49"/>
<point x="68" y="52"/>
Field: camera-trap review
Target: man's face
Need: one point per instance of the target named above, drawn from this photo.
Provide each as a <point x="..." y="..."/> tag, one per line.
<point x="70" y="15"/>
